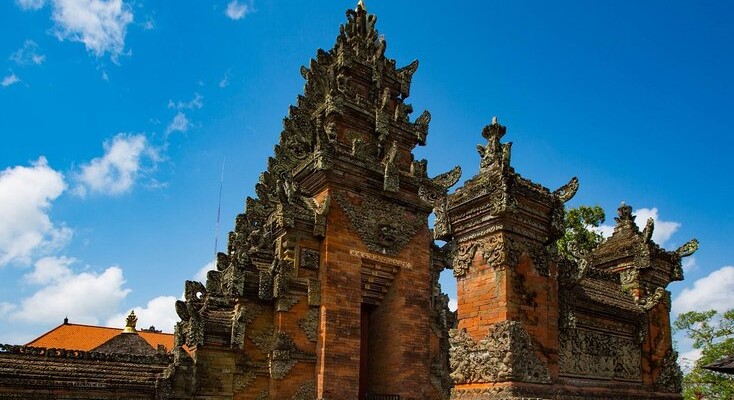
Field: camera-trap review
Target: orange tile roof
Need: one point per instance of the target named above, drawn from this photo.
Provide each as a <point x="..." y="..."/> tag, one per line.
<point x="89" y="337"/>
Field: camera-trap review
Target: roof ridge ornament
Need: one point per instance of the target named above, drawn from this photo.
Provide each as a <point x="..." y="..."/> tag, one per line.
<point x="360" y="4"/>
<point x="495" y="155"/>
<point x="131" y="321"/>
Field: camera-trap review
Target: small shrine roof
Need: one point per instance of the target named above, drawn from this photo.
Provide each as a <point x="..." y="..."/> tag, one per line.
<point x="89" y="337"/>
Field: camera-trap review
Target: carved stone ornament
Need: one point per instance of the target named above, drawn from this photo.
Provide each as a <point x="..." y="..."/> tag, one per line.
<point x="505" y="354"/>
<point x="264" y="395"/>
<point x="392" y="173"/>
<point x="309" y="259"/>
<point x="567" y="191"/>
<point x="652" y="300"/>
<point x="244" y="314"/>
<point x="310" y="323"/>
<point x="263" y="338"/>
<point x="494" y="155"/>
<point x="463" y="258"/>
<point x="384" y="227"/>
<point x="307" y="391"/>
<point x="314" y="292"/>
<point x="670" y="378"/>
<point x="190" y="311"/>
<point x="285" y="303"/>
<point x="242" y="381"/>
<point x="599" y="355"/>
<point x="285" y="355"/>
<point x="434" y="192"/>
<point x="320" y="211"/>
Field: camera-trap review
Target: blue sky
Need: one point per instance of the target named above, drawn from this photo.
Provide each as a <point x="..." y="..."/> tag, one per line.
<point x="116" y="116"/>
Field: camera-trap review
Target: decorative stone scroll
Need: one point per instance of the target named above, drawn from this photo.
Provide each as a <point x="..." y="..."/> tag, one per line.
<point x="505" y="354"/>
<point x="384" y="227"/>
<point x="501" y="250"/>
<point x="463" y="258"/>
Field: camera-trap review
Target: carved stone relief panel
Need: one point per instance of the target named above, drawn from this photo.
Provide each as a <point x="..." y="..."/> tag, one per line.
<point x="602" y="355"/>
<point x="505" y="354"/>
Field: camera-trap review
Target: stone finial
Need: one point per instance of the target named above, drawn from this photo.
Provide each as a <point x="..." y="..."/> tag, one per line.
<point x="130" y="323"/>
<point x="360" y="4"/>
<point x="625" y="213"/>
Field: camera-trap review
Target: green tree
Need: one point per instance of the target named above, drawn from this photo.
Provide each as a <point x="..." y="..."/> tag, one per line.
<point x="713" y="334"/>
<point x="579" y="238"/>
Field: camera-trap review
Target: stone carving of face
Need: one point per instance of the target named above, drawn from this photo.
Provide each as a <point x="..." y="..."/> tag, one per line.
<point x="388" y="235"/>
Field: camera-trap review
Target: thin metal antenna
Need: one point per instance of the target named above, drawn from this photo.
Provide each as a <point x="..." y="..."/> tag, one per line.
<point x="219" y="212"/>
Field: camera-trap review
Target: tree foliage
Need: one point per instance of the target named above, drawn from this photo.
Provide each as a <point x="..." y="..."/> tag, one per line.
<point x="713" y="334"/>
<point x="579" y="238"/>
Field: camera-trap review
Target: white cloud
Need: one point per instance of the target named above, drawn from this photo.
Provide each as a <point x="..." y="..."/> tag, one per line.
<point x="100" y="24"/>
<point x="715" y="291"/>
<point x="687" y="359"/>
<point x="26" y="194"/>
<point x="195" y="103"/>
<point x="201" y="274"/>
<point x="663" y="229"/>
<point x="50" y="269"/>
<point x="28" y="54"/>
<point x="9" y="80"/>
<point x="453" y="304"/>
<point x="160" y="312"/>
<point x="180" y="123"/>
<point x="86" y="297"/>
<point x="31" y="4"/>
<point x="225" y="80"/>
<point x="237" y="10"/>
<point x="116" y="171"/>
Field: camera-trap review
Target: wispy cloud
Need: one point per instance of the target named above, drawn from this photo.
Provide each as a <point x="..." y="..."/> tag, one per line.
<point x="28" y="54"/>
<point x="8" y="80"/>
<point x="125" y="159"/>
<point x="236" y="10"/>
<point x="26" y="196"/>
<point x="225" y="80"/>
<point x="195" y="103"/>
<point x="101" y="25"/>
<point x="31" y="4"/>
<point x="180" y="123"/>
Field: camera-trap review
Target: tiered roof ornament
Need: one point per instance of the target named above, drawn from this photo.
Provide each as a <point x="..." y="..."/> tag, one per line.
<point x="645" y="269"/>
